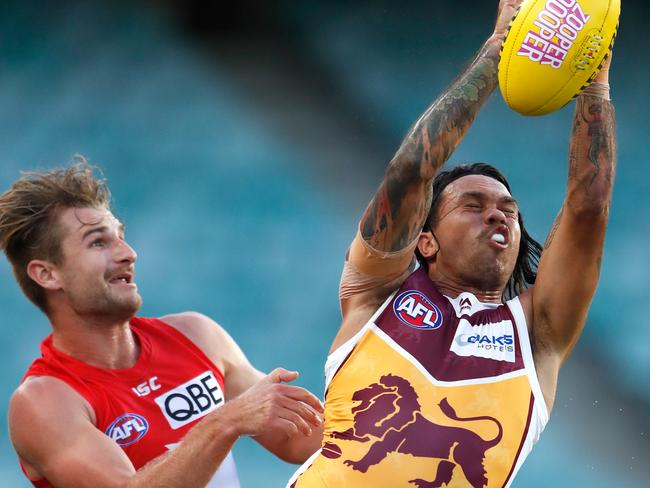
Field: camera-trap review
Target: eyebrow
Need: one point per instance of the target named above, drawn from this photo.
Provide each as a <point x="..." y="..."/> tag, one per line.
<point x="100" y="229"/>
<point x="481" y="195"/>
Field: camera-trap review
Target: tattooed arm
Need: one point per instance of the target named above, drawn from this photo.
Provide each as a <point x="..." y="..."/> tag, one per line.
<point x="380" y="255"/>
<point x="398" y="210"/>
<point x="570" y="264"/>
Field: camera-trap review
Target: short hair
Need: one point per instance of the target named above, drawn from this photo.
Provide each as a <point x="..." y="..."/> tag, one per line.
<point x="29" y="212"/>
<point x="530" y="250"/>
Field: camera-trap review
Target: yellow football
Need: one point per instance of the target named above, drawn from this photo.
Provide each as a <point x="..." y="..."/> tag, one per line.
<point x="552" y="51"/>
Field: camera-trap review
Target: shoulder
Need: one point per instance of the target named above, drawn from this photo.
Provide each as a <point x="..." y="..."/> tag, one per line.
<point x="219" y="347"/>
<point x="37" y="391"/>
<point x="204" y="333"/>
<point x="194" y="325"/>
<point x="39" y="405"/>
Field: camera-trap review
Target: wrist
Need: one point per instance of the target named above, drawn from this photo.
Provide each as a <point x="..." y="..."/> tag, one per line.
<point x="228" y="421"/>
<point x="494" y="43"/>
<point x="597" y="89"/>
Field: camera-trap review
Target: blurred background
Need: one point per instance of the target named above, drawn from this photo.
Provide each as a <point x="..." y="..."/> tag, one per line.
<point x="243" y="140"/>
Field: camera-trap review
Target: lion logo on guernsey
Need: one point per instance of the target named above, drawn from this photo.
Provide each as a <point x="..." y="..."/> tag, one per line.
<point x="128" y="429"/>
<point x="417" y="311"/>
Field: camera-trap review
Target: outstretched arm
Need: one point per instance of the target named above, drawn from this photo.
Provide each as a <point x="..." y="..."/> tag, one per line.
<point x="570" y="264"/>
<point x="299" y="412"/>
<point x="62" y="444"/>
<point x="398" y="210"/>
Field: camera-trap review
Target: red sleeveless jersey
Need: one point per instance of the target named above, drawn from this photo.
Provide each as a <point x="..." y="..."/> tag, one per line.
<point x="146" y="409"/>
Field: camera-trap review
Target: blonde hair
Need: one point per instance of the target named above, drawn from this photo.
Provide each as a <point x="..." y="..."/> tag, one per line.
<point x="29" y="212"/>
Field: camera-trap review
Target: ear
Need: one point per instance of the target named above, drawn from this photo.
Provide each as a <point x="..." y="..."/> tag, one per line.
<point x="44" y="274"/>
<point x="428" y="245"/>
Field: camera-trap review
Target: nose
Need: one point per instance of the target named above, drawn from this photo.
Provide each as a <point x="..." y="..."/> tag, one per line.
<point x="125" y="253"/>
<point x="495" y="216"/>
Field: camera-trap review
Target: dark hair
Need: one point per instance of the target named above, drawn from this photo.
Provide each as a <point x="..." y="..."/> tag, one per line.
<point x="530" y="250"/>
<point x="29" y="211"/>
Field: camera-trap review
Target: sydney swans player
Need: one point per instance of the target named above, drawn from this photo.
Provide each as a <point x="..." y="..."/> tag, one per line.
<point x="118" y="400"/>
<point x="445" y="367"/>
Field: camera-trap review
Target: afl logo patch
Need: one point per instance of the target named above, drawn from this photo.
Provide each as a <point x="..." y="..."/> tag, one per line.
<point x="417" y="311"/>
<point x="128" y="429"/>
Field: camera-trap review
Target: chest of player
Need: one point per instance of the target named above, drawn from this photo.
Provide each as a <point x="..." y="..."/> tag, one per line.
<point x="433" y="390"/>
<point x="453" y="339"/>
<point x="148" y="414"/>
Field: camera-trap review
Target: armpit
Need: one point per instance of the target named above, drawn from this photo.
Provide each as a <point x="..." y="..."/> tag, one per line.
<point x="380" y="264"/>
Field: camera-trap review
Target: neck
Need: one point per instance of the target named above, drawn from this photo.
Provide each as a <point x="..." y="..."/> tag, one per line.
<point x="454" y="287"/>
<point x="103" y="344"/>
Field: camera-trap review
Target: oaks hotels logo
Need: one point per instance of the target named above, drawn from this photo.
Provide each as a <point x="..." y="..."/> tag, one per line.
<point x="493" y="340"/>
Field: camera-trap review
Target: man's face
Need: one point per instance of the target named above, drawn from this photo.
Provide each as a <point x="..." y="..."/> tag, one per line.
<point x="478" y="233"/>
<point x="97" y="272"/>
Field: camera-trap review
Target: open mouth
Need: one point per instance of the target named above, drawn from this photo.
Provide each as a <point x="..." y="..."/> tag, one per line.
<point x="500" y="236"/>
<point x="122" y="278"/>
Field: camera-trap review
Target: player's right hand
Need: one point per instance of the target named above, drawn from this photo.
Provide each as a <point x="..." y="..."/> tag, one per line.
<point x="505" y="13"/>
<point x="271" y="406"/>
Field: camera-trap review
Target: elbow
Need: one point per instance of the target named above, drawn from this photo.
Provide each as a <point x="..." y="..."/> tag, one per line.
<point x="406" y="168"/>
<point x="298" y="448"/>
<point x="296" y="456"/>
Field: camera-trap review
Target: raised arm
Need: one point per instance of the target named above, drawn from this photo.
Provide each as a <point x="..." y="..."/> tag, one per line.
<point x="570" y="264"/>
<point x="398" y="210"/>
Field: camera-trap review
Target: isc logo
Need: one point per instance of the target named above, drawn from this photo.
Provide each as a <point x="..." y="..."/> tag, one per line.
<point x="143" y="389"/>
<point x="417" y="311"/>
<point x="191" y="400"/>
<point x="127" y="429"/>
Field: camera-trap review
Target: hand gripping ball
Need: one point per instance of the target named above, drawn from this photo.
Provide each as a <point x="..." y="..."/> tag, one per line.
<point x="553" y="50"/>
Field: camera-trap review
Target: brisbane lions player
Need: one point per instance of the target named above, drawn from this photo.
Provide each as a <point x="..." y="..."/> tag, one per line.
<point x="455" y="321"/>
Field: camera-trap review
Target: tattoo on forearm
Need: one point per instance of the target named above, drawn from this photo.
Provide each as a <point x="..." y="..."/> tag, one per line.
<point x="593" y="143"/>
<point x="395" y="216"/>
<point x="436" y="134"/>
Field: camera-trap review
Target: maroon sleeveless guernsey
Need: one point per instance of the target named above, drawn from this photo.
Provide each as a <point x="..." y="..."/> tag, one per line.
<point x="146" y="409"/>
<point x="433" y="391"/>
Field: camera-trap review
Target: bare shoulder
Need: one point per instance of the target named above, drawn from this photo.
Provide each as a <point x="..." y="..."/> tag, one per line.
<point x="222" y="349"/>
<point x="29" y="399"/>
<point x="53" y="430"/>
<point x="39" y="410"/>
<point x="205" y="333"/>
<point x="195" y="326"/>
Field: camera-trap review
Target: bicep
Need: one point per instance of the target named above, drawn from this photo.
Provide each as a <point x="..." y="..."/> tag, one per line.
<point x="567" y="277"/>
<point x="61" y="444"/>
